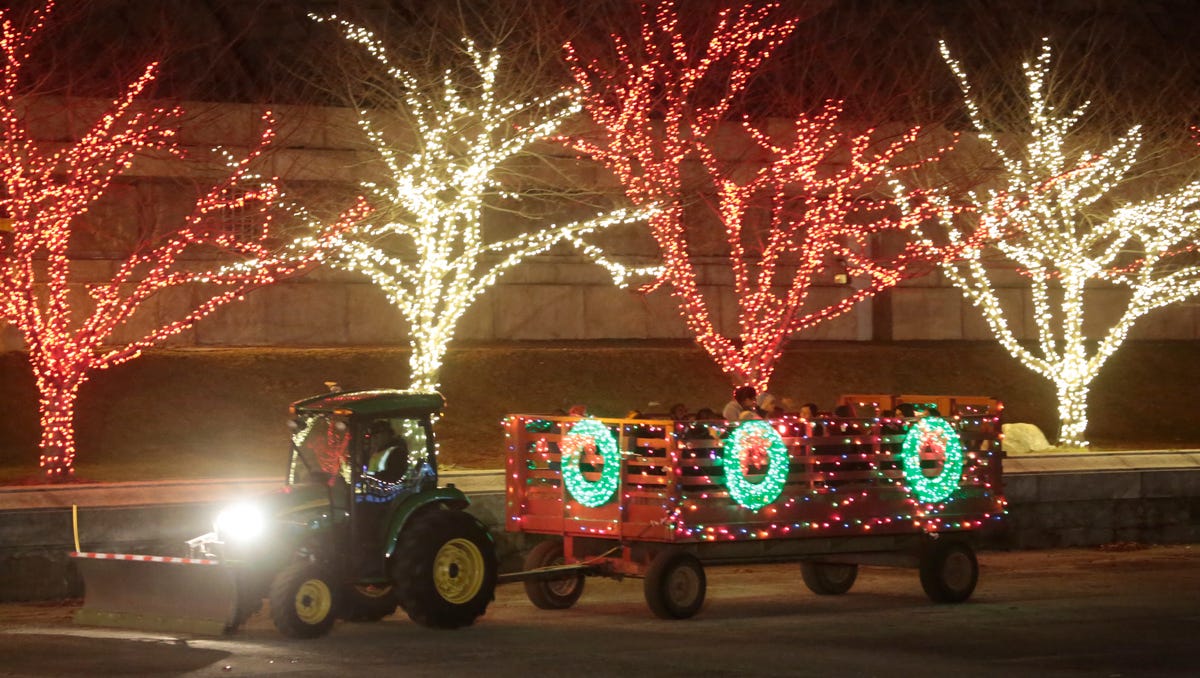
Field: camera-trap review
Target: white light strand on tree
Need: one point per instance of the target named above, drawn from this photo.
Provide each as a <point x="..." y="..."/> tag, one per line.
<point x="436" y="189"/>
<point x="1051" y="213"/>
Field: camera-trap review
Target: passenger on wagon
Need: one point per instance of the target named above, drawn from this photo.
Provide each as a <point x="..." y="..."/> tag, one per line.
<point x="768" y="406"/>
<point x="744" y="399"/>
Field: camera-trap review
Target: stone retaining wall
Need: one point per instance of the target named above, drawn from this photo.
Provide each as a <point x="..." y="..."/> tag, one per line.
<point x="1045" y="511"/>
<point x="1049" y="510"/>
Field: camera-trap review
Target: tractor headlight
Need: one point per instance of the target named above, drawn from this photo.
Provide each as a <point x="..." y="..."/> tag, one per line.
<point x="241" y="522"/>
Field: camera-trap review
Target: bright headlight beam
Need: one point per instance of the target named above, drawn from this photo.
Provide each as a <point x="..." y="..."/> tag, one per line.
<point x="240" y="522"/>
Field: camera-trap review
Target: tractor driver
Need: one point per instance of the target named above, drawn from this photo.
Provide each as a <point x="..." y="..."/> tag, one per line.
<point x="389" y="452"/>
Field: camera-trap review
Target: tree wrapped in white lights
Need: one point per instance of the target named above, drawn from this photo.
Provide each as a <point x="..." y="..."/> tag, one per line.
<point x="1068" y="225"/>
<point x="427" y="251"/>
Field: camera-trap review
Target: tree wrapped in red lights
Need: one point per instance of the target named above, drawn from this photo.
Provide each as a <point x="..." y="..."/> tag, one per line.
<point x="815" y="201"/>
<point x="48" y="188"/>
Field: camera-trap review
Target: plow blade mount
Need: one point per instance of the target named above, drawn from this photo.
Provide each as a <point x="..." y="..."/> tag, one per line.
<point x="156" y="593"/>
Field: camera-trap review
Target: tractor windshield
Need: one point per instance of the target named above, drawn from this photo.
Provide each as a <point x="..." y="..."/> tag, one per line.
<point x="320" y="449"/>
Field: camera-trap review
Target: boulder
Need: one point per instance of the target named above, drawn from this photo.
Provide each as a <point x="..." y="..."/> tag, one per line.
<point x="1023" y="439"/>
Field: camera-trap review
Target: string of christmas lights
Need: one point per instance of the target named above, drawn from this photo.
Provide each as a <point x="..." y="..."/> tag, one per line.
<point x="936" y="436"/>
<point x="590" y="437"/>
<point x="829" y="476"/>
<point x="47" y="192"/>
<point x="429" y="254"/>
<point x="659" y="106"/>
<point x="1068" y="226"/>
<point x="750" y="441"/>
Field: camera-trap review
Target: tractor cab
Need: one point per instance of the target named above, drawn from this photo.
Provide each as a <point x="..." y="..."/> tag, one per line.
<point x="371" y="450"/>
<point x="380" y="443"/>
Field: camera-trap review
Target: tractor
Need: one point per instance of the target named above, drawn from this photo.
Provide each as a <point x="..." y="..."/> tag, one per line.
<point x="359" y="527"/>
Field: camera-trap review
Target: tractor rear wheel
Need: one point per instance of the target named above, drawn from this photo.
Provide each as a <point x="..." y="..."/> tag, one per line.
<point x="445" y="569"/>
<point x="949" y="571"/>
<point x="674" y="585"/>
<point x="558" y="593"/>
<point x="304" y="600"/>
<point x="828" y="579"/>
<point x="367" y="602"/>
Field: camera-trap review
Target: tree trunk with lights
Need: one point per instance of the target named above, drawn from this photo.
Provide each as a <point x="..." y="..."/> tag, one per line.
<point x="1072" y="412"/>
<point x="425" y="363"/>
<point x="57" y="395"/>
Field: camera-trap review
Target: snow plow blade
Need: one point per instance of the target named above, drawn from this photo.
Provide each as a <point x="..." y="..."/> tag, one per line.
<point x="157" y="593"/>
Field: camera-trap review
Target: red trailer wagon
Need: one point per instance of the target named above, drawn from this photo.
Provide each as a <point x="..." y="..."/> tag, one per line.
<point x="661" y="499"/>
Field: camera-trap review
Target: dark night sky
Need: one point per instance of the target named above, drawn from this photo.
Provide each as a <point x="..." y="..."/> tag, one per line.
<point x="878" y="55"/>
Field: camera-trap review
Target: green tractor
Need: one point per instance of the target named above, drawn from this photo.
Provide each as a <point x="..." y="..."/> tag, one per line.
<point x="359" y="528"/>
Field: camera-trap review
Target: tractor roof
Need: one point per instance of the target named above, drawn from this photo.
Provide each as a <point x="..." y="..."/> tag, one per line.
<point x="369" y="403"/>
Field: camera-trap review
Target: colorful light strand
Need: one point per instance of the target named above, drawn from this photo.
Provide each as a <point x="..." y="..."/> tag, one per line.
<point x="590" y="435"/>
<point x="849" y="481"/>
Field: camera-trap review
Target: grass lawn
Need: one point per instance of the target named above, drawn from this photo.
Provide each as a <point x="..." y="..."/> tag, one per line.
<point x="222" y="412"/>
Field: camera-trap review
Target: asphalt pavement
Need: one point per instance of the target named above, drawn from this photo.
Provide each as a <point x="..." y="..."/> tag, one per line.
<point x="1082" y="612"/>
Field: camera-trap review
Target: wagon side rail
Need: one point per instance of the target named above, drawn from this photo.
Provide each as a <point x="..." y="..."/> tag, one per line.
<point x="844" y="476"/>
<point x="632" y="503"/>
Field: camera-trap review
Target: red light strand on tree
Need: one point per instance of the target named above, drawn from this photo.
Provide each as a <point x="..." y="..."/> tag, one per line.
<point x="45" y="195"/>
<point x="655" y="110"/>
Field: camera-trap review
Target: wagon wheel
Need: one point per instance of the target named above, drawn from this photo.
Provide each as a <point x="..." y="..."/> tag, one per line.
<point x="949" y="571"/>
<point x="558" y="593"/>
<point x="828" y="579"/>
<point x="674" y="585"/>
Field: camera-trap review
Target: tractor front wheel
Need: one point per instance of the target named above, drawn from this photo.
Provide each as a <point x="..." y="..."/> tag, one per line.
<point x="553" y="593"/>
<point x="445" y="569"/>
<point x="674" y="585"/>
<point x="303" y="600"/>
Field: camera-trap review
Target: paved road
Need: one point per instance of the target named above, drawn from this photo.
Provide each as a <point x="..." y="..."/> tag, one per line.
<point x="1044" y="613"/>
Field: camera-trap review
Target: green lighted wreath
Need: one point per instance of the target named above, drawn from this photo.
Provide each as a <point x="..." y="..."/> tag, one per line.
<point x="755" y="436"/>
<point x="593" y="433"/>
<point x="937" y="434"/>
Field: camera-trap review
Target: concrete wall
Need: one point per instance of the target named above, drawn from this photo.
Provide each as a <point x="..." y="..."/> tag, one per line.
<point x="1049" y="510"/>
<point x="558" y="296"/>
<point x="555" y="298"/>
<point x="1046" y="510"/>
